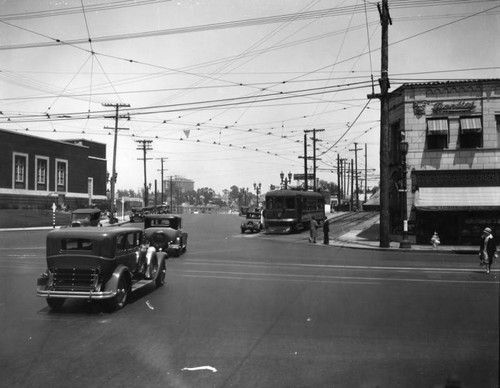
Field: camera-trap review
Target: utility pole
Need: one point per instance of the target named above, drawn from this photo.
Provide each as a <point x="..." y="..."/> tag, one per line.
<point x="314" y="139"/>
<point x="162" y="181"/>
<point x="145" y="145"/>
<point x="385" y="20"/>
<point x="113" y="172"/>
<point x="366" y="170"/>
<point x="352" y="184"/>
<point x="305" y="163"/>
<point x="356" y="149"/>
<point x="339" y="172"/>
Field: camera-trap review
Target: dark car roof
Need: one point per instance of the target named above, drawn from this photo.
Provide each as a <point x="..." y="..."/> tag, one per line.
<point x="91" y="233"/>
<point x="163" y="216"/>
<point x="86" y="211"/>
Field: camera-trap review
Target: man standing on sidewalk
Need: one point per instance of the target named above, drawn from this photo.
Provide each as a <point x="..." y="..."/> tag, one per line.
<point x="326" y="231"/>
<point x="313" y="230"/>
<point x="487" y="249"/>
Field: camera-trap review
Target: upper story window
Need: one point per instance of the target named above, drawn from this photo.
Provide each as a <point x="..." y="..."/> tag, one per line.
<point x="20" y="170"/>
<point x="41" y="171"/>
<point x="471" y="132"/>
<point x="61" y="174"/>
<point x="437" y="134"/>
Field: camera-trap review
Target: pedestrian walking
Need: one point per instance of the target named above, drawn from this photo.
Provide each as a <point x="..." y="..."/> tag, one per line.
<point x="313" y="230"/>
<point x="487" y="249"/>
<point x="326" y="231"/>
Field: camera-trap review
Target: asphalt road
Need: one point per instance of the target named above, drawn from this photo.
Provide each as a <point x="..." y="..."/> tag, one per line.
<point x="258" y="311"/>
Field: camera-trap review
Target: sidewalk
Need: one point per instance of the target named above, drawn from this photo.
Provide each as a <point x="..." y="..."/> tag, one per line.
<point x="366" y="236"/>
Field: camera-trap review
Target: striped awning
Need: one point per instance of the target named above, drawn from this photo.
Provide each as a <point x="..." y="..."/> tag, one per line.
<point x="457" y="198"/>
<point x="437" y="127"/>
<point x="470" y="125"/>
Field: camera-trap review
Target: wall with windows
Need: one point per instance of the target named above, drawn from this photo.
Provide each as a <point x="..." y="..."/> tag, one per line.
<point x="36" y="172"/>
<point x="451" y="127"/>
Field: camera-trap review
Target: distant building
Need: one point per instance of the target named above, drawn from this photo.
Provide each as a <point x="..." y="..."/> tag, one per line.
<point x="453" y="162"/>
<point x="178" y="183"/>
<point x="36" y="172"/>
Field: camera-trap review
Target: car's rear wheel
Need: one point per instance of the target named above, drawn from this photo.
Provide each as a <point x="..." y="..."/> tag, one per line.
<point x="122" y="291"/>
<point x="56" y="303"/>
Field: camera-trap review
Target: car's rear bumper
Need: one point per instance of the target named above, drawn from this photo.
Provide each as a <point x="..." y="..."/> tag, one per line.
<point x="75" y="294"/>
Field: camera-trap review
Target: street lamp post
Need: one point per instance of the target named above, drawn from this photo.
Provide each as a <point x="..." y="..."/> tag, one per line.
<point x="282" y="175"/>
<point x="257" y="187"/>
<point x="405" y="242"/>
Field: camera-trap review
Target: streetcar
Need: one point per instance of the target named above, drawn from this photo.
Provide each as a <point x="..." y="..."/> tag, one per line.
<point x="288" y="211"/>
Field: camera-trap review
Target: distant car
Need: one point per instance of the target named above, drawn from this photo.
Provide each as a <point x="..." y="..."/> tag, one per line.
<point x="137" y="215"/>
<point x="251" y="223"/>
<point x="165" y="233"/>
<point x="98" y="264"/>
<point x="86" y="217"/>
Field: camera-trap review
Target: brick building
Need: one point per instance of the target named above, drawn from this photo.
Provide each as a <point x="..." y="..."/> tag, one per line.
<point x="452" y="133"/>
<point x="36" y="172"/>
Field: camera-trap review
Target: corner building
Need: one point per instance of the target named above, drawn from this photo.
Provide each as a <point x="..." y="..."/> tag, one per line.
<point x="36" y="172"/>
<point x="452" y="130"/>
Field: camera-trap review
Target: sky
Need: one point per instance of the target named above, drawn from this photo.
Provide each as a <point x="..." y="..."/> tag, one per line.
<point x="223" y="91"/>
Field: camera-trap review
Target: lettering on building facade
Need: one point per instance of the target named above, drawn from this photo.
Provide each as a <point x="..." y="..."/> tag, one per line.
<point x="461" y="106"/>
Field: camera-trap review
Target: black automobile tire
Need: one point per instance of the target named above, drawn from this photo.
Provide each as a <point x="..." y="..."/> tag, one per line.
<point x="160" y="277"/>
<point x="56" y="303"/>
<point x="122" y="291"/>
<point x="178" y="252"/>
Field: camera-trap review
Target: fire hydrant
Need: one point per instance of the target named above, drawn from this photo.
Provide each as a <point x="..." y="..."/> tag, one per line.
<point x="435" y="240"/>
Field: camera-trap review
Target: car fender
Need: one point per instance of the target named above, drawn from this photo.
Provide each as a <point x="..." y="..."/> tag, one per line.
<point x="112" y="283"/>
<point x="149" y="255"/>
<point x="162" y="256"/>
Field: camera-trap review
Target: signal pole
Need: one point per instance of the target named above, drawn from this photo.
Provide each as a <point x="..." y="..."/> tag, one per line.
<point x="145" y="146"/>
<point x="385" y="20"/>
<point x="113" y="173"/>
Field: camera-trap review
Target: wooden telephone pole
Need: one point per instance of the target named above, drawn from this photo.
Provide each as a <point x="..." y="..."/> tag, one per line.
<point x="145" y="145"/>
<point x="112" y="179"/>
<point x="385" y="20"/>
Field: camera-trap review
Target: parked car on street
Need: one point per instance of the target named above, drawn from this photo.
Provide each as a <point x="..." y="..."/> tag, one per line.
<point x="165" y="233"/>
<point x="86" y="217"/>
<point x="98" y="264"/>
<point x="251" y="223"/>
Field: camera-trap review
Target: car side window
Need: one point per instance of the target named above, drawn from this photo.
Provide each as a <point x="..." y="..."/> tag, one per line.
<point x="130" y="241"/>
<point x="120" y="240"/>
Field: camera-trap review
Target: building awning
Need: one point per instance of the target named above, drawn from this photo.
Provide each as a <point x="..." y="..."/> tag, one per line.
<point x="437" y="127"/>
<point x="457" y="198"/>
<point x="470" y="125"/>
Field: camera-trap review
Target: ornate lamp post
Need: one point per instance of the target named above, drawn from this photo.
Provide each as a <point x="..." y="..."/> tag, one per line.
<point x="282" y="175"/>
<point x="257" y="187"/>
<point x="405" y="242"/>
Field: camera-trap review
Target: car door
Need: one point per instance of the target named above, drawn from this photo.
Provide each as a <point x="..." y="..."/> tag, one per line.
<point x="126" y="248"/>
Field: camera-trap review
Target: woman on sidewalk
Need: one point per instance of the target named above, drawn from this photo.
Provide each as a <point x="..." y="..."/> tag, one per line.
<point x="487" y="249"/>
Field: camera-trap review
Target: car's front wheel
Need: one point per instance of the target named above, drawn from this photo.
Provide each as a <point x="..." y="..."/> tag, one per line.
<point x="160" y="278"/>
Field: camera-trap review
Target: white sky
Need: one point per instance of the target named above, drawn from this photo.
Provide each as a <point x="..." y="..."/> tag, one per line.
<point x="226" y="88"/>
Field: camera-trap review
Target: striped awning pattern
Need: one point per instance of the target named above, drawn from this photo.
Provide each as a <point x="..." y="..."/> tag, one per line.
<point x="470" y="125"/>
<point x="437" y="127"/>
<point x="457" y="198"/>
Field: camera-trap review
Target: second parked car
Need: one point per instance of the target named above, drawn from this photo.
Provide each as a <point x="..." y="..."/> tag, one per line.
<point x="165" y="233"/>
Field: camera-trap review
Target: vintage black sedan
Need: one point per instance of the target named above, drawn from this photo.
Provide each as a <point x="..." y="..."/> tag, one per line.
<point x="86" y="217"/>
<point x="165" y="233"/>
<point x="251" y="223"/>
<point x="98" y="264"/>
